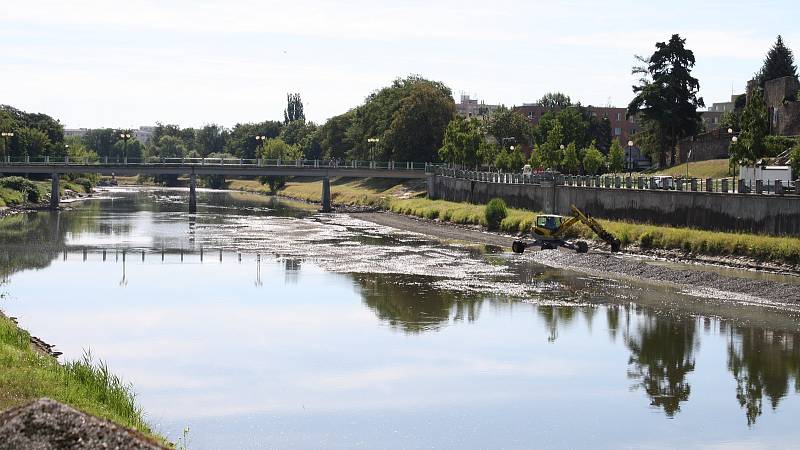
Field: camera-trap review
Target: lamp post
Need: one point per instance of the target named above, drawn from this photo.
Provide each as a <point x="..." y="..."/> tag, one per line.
<point x="6" y="135"/>
<point x="630" y="157"/>
<point x="260" y="139"/>
<point x="125" y="136"/>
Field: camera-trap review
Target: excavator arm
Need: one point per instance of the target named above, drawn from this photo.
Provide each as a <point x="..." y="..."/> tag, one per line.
<point x="596" y="227"/>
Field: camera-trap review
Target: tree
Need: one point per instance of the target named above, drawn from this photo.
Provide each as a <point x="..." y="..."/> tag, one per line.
<point x="381" y="112"/>
<point x="210" y="139"/>
<point x="593" y="160"/>
<point x="508" y="123"/>
<point x="242" y="139"/>
<point x="516" y="160"/>
<point x="778" y="63"/>
<point x="570" y="163"/>
<point x="32" y="143"/>
<point x="555" y="100"/>
<point x="503" y="160"/>
<point x="333" y="136"/>
<point x="536" y="158"/>
<point x="133" y="149"/>
<point x="169" y="147"/>
<point x="666" y="96"/>
<point x="551" y="149"/>
<point x="277" y="149"/>
<point x="463" y="142"/>
<point x="417" y="129"/>
<point x="750" y="146"/>
<point x="101" y="141"/>
<point x="616" y="157"/>
<point x="294" y="109"/>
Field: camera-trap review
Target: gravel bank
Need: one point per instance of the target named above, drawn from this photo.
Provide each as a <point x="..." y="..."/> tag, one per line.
<point x="46" y="424"/>
<point x="699" y="280"/>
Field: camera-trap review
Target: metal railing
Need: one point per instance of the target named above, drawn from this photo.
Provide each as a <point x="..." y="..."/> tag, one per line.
<point x="157" y="161"/>
<point x="651" y="183"/>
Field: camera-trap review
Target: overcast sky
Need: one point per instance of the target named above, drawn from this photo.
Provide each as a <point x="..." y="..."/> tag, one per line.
<point x="103" y="63"/>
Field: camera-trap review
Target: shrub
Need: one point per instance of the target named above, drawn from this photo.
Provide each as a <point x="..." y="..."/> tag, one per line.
<point x="24" y="185"/>
<point x="85" y="183"/>
<point x="495" y="212"/>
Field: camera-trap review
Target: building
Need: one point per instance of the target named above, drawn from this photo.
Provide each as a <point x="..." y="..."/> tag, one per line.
<point x="622" y="128"/>
<point x="75" y="132"/>
<point x="711" y="119"/>
<point x="469" y="107"/>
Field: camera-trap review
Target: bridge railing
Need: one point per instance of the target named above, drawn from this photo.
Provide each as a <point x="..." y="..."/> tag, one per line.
<point x="159" y="161"/>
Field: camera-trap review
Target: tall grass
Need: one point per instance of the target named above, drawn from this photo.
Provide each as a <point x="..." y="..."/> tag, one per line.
<point x="84" y="384"/>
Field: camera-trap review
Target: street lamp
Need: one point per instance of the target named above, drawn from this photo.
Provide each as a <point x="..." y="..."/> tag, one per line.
<point x="6" y="135"/>
<point x="125" y="136"/>
<point x="630" y="157"/>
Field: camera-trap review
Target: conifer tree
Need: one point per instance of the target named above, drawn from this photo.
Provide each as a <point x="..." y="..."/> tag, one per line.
<point x="778" y="63"/>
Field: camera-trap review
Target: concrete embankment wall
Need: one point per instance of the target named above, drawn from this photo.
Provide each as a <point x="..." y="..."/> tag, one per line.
<point x="761" y="214"/>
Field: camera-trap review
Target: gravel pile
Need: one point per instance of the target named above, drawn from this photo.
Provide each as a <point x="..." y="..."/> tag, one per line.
<point x="45" y="424"/>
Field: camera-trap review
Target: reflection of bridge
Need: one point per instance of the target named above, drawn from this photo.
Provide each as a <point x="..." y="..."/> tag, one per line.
<point x="218" y="166"/>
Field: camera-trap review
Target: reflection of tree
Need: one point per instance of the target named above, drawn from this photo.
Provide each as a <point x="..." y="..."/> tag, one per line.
<point x="413" y="306"/>
<point x="763" y="363"/>
<point x="662" y="354"/>
<point x="30" y="241"/>
<point x="555" y="316"/>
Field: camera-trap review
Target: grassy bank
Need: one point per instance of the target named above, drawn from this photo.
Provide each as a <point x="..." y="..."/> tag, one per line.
<point x="88" y="386"/>
<point x="17" y="191"/>
<point x="714" y="168"/>
<point x="406" y="198"/>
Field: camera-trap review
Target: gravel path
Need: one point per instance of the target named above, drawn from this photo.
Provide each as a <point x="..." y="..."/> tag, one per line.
<point x="740" y="285"/>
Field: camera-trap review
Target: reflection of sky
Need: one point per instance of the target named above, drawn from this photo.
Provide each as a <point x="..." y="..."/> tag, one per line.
<point x="302" y="359"/>
<point x="305" y="364"/>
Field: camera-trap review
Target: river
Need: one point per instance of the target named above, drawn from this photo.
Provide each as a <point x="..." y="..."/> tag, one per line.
<point x="260" y="324"/>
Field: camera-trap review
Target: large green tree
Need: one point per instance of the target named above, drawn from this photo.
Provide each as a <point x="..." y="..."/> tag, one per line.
<point x="242" y="140"/>
<point x="463" y="142"/>
<point x="333" y="136"/>
<point x="593" y="160"/>
<point x="277" y="149"/>
<point x="418" y="126"/>
<point x="666" y="96"/>
<point x="551" y="148"/>
<point x="294" y="109"/>
<point x="778" y="63"/>
<point x="555" y="100"/>
<point x="570" y="163"/>
<point x="750" y="144"/>
<point x="210" y="139"/>
<point x="508" y="123"/>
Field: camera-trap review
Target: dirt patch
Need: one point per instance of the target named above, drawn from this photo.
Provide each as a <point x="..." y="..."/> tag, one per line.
<point x="46" y="424"/>
<point x="694" y="280"/>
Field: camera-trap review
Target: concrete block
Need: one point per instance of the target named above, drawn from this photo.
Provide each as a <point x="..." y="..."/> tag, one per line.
<point x="724" y="183"/>
<point x="709" y="185"/>
<point x="617" y="183"/>
<point x="694" y="184"/>
<point x="759" y="186"/>
<point x="778" y="187"/>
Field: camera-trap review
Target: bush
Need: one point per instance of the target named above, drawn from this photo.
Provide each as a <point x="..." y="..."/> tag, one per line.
<point x="495" y="212"/>
<point x="24" y="185"/>
<point x="85" y="183"/>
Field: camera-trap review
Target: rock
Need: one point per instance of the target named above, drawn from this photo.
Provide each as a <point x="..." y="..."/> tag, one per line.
<point x="45" y="424"/>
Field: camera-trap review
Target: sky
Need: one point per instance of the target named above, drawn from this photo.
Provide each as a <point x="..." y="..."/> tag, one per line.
<point x="105" y="63"/>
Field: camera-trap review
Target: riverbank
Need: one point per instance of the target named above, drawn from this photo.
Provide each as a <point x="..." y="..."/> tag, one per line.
<point x="19" y="194"/>
<point x="29" y="370"/>
<point x="736" y="250"/>
<point x="698" y="280"/>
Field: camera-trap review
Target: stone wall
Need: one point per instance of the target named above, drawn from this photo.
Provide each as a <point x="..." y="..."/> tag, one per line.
<point x="713" y="144"/>
<point x="761" y="214"/>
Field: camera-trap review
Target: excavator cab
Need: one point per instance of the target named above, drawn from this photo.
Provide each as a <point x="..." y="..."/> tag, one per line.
<point x="549" y="222"/>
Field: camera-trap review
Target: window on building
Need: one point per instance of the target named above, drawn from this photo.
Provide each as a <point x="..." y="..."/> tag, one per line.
<point x="631" y="119"/>
<point x="716" y="120"/>
<point x="619" y="116"/>
<point x="632" y="131"/>
<point x="617" y="131"/>
<point x="530" y="114"/>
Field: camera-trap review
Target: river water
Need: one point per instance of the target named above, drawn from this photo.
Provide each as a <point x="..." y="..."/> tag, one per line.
<point x="262" y="325"/>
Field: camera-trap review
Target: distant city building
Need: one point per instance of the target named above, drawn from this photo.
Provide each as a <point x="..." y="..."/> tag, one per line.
<point x="75" y="132"/>
<point x="142" y="134"/>
<point x="713" y="116"/>
<point x="469" y="107"/>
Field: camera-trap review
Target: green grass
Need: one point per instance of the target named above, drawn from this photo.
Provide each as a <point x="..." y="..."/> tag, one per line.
<point x="713" y="168"/>
<point x="86" y="385"/>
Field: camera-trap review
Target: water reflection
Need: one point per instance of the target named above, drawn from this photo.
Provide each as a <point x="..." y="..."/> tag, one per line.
<point x="410" y="305"/>
<point x="559" y="330"/>
<point x="765" y="364"/>
<point x="662" y="355"/>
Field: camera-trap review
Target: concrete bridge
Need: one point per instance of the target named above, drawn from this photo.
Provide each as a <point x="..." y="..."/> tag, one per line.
<point x="217" y="166"/>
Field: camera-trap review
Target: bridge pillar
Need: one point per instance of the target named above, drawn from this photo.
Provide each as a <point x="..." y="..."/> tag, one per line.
<point x="326" y="195"/>
<point x="55" y="195"/>
<point x="192" y="193"/>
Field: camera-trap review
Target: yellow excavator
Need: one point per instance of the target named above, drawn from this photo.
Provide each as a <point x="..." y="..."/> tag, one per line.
<point x="549" y="229"/>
